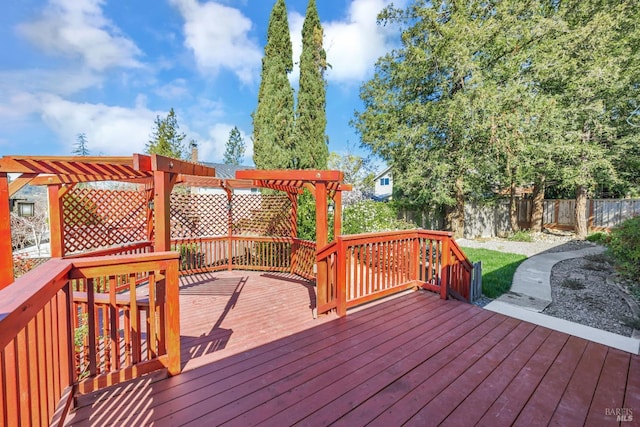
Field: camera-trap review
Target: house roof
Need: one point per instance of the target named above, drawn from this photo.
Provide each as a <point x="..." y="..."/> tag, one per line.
<point x="225" y="171"/>
<point x="384" y="172"/>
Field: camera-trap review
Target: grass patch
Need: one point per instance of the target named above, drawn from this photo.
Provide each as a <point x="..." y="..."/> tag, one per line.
<point x="521" y="236"/>
<point x="498" y="269"/>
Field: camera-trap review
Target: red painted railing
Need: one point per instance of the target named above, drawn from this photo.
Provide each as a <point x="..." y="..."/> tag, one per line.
<point x="361" y="268"/>
<point x="281" y="254"/>
<point x="54" y="340"/>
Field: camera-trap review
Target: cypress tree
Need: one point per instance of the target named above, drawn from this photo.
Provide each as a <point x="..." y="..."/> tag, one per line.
<point x="274" y="116"/>
<point x="311" y="149"/>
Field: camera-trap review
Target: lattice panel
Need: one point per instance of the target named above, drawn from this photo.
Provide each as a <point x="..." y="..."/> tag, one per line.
<point x="198" y="215"/>
<point x="264" y="215"/>
<point x="96" y="219"/>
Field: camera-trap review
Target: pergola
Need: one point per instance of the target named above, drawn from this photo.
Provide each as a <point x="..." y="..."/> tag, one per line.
<point x="159" y="175"/>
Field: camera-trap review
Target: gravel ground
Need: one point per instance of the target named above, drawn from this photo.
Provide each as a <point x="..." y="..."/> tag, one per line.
<point x="581" y="293"/>
<point x="542" y="242"/>
<point x="579" y="286"/>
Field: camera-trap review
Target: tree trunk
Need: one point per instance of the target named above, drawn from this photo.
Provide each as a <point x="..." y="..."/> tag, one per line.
<point x="537" y="210"/>
<point x="513" y="206"/>
<point x="581" y="212"/>
<point x="455" y="214"/>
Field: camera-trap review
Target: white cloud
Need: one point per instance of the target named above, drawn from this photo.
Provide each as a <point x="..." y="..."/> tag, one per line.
<point x="218" y="37"/>
<point x="110" y="130"/>
<point x="354" y="44"/>
<point x="174" y="89"/>
<point x="61" y="82"/>
<point x="212" y="148"/>
<point x="78" y="28"/>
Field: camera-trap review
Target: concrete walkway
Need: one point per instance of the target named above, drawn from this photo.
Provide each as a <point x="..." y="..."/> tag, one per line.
<point x="531" y="293"/>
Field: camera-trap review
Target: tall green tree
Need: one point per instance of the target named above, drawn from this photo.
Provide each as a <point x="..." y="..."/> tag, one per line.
<point x="311" y="143"/>
<point x="427" y="111"/>
<point x="591" y="66"/>
<point x="235" y="148"/>
<point x="166" y="139"/>
<point x="273" y="119"/>
<point x="81" y="147"/>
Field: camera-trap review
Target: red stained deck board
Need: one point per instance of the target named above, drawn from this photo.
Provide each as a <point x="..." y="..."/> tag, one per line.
<point x="506" y="408"/>
<point x="541" y="406"/>
<point x="207" y="383"/>
<point x="610" y="391"/>
<point x="401" y="388"/>
<point x="416" y="354"/>
<point x="575" y="402"/>
<point x="482" y="397"/>
<point x="632" y="397"/>
<point x="266" y="382"/>
<point x="317" y="393"/>
<point x="438" y="408"/>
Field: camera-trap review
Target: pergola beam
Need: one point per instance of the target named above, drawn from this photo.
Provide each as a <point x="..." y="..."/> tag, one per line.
<point x="291" y="175"/>
<point x="21" y="181"/>
<point x="142" y="178"/>
<point x="167" y="164"/>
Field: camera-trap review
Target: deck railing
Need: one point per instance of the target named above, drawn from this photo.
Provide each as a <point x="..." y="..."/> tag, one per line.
<point x="361" y="268"/>
<point x="280" y="254"/>
<point x="55" y="341"/>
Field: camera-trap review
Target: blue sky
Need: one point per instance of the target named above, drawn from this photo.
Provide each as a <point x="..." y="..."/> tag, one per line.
<point x="107" y="68"/>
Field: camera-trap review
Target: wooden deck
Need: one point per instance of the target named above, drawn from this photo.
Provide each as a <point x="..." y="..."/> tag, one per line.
<point x="256" y="356"/>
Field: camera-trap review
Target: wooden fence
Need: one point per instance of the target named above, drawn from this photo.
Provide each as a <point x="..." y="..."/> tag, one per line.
<point x="489" y="220"/>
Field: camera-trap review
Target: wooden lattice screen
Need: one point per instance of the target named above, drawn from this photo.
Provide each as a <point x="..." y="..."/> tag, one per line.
<point x="95" y="219"/>
<point x="198" y="215"/>
<point x="262" y="215"/>
<point x="101" y="218"/>
<point x="202" y="215"/>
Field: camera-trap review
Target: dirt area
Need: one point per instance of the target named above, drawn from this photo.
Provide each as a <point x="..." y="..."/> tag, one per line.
<point x="584" y="290"/>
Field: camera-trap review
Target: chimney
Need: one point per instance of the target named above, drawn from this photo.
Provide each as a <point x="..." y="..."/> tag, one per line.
<point x="194" y="151"/>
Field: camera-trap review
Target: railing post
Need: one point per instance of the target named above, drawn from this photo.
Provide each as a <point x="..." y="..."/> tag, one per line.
<point x="341" y="278"/>
<point x="229" y="229"/>
<point x="415" y="258"/>
<point x="173" y="317"/>
<point x="445" y="267"/>
<point x="6" y="261"/>
<point x="295" y="246"/>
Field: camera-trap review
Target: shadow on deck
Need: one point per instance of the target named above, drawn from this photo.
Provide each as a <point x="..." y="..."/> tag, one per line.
<point x="226" y="312"/>
<point x="253" y="354"/>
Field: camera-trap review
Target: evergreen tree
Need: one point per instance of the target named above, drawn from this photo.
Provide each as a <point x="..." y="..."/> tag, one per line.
<point x="273" y="118"/>
<point x="166" y="139"/>
<point x="235" y="148"/>
<point x="311" y="149"/>
<point x="81" y="146"/>
<point x="590" y="65"/>
<point x="428" y="112"/>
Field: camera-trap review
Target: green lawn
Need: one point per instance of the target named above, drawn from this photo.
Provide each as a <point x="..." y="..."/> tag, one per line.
<point x="497" y="269"/>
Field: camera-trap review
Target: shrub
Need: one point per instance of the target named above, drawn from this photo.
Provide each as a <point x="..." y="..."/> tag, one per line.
<point x="521" y="236"/>
<point x="369" y="216"/>
<point x="624" y="247"/>
<point x="598" y="237"/>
